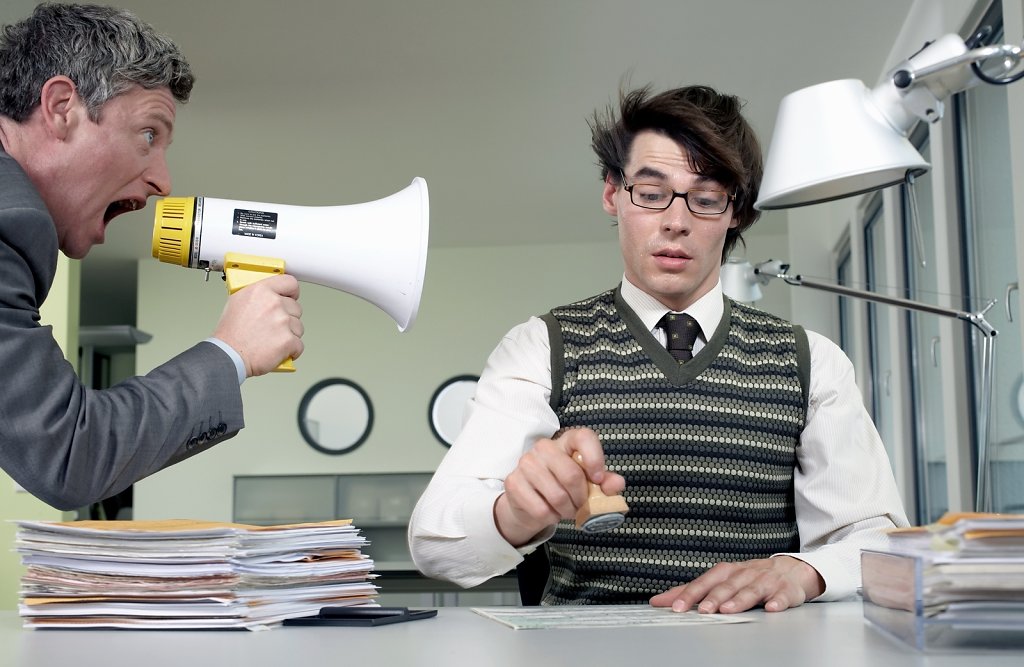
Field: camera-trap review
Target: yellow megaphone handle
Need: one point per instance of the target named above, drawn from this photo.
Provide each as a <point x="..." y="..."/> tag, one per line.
<point x="242" y="270"/>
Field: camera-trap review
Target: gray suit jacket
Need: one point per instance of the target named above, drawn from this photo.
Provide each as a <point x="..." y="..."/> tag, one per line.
<point x="64" y="443"/>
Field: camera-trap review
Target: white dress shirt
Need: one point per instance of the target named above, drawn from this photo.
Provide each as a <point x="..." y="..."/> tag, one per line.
<point x="845" y="494"/>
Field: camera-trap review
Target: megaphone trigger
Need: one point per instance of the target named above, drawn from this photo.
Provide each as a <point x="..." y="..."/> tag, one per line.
<point x="286" y="366"/>
<point x="241" y="270"/>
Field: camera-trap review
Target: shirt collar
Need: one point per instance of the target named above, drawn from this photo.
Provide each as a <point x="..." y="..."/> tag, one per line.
<point x="707" y="310"/>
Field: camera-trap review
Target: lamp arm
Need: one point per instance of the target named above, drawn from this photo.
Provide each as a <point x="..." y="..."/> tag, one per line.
<point x="906" y="77"/>
<point x="917" y="87"/>
<point x="977" y="318"/>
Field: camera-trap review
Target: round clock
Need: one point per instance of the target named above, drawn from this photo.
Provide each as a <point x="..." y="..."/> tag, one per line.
<point x="335" y="416"/>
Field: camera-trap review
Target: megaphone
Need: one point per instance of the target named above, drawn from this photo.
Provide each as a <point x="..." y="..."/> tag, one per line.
<point x="375" y="250"/>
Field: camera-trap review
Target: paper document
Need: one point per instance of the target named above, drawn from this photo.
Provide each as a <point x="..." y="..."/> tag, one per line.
<point x="188" y="574"/>
<point x="599" y="616"/>
<point x="949" y="580"/>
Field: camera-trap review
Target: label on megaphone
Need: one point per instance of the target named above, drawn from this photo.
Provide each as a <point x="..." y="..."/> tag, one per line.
<point x="255" y="224"/>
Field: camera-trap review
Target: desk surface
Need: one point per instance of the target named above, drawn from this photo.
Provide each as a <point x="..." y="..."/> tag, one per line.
<point x="832" y="634"/>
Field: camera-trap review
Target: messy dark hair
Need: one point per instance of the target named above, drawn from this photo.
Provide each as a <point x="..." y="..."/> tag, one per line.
<point x="719" y="142"/>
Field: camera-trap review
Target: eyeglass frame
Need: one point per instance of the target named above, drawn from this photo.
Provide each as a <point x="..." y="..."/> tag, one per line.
<point x="681" y="195"/>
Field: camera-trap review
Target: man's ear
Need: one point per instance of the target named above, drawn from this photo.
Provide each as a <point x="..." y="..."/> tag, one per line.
<point x="608" y="196"/>
<point x="60" y="106"/>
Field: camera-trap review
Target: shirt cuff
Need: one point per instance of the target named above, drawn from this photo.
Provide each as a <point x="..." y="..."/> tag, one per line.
<point x="235" y="357"/>
<point x="840" y="583"/>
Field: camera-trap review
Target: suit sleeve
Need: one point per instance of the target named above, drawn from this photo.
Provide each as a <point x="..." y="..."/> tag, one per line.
<point x="69" y="445"/>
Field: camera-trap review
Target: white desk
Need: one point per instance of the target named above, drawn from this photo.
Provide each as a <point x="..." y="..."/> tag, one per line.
<point x="825" y="634"/>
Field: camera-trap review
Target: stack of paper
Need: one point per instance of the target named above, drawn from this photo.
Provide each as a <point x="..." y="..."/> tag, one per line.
<point x="188" y="574"/>
<point x="965" y="571"/>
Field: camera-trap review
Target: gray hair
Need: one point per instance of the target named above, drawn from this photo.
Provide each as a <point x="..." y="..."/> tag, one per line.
<point x="105" y="51"/>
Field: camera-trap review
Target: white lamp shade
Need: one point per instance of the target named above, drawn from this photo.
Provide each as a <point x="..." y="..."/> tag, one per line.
<point x="739" y="281"/>
<point x="831" y="141"/>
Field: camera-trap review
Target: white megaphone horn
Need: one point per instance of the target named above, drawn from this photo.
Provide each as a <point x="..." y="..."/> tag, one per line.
<point x="376" y="250"/>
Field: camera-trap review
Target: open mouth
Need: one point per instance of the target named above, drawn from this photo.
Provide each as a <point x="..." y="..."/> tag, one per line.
<point x="122" y="206"/>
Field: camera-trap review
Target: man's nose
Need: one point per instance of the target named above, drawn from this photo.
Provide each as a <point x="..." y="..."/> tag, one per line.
<point x="158" y="177"/>
<point x="677" y="217"/>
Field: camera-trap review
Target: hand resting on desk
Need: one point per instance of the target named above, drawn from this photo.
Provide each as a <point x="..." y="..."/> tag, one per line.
<point x="729" y="588"/>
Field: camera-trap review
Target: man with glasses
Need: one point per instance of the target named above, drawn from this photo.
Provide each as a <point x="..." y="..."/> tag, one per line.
<point x="753" y="473"/>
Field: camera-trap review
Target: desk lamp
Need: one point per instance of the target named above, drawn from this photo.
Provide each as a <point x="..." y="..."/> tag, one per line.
<point x="840" y="139"/>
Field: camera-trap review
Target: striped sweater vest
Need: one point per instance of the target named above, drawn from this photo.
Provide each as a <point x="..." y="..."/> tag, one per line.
<point x="708" y="448"/>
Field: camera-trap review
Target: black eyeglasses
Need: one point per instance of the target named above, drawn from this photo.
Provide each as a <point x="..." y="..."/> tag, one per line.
<point x="660" y="197"/>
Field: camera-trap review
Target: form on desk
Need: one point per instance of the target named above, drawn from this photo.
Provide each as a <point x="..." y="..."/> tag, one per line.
<point x="599" y="616"/>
